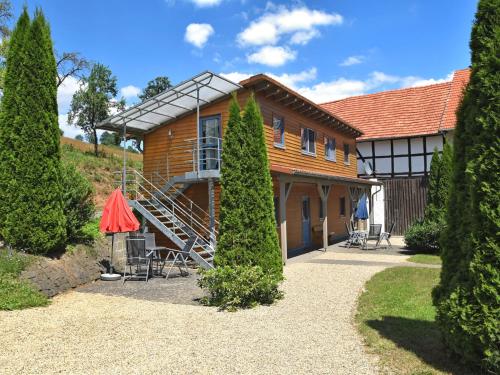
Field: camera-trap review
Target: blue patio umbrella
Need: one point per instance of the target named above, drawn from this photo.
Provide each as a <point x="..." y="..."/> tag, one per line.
<point x="362" y="209"/>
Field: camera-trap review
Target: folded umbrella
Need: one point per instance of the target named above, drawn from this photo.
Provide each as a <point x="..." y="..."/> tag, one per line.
<point x="117" y="217"/>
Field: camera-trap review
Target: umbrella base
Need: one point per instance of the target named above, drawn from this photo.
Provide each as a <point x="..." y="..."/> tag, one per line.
<point x="110" y="276"/>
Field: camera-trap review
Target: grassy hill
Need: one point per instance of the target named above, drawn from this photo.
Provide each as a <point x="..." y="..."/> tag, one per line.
<point x="99" y="170"/>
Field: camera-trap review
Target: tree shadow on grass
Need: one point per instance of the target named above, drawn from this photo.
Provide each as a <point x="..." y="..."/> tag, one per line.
<point x="422" y="338"/>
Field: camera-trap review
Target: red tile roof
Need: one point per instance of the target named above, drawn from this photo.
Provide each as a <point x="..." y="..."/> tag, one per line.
<point x="404" y="112"/>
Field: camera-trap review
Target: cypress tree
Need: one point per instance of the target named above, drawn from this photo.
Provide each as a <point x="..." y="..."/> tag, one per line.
<point x="468" y="296"/>
<point x="248" y="227"/>
<point x="231" y="248"/>
<point x="439" y="184"/>
<point x="10" y="111"/>
<point x="35" y="220"/>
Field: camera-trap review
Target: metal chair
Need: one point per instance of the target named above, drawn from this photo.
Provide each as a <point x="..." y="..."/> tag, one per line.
<point x="135" y="256"/>
<point x="385" y="236"/>
<point x="373" y="235"/>
<point x="181" y="256"/>
<point x="156" y="252"/>
<point x="354" y="236"/>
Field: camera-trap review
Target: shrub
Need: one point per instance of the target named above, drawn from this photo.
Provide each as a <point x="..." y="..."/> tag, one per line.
<point x="236" y="287"/>
<point x="424" y="236"/>
<point x="77" y="202"/>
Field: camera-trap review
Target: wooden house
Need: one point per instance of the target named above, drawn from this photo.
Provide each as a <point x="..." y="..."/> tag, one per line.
<point x="312" y="158"/>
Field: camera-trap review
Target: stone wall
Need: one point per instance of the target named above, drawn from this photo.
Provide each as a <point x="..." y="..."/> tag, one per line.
<point x="80" y="266"/>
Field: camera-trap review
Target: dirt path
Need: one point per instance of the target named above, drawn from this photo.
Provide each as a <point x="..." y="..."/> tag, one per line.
<point x="309" y="332"/>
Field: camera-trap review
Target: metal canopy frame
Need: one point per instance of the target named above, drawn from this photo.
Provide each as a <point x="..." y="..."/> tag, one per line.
<point x="171" y="104"/>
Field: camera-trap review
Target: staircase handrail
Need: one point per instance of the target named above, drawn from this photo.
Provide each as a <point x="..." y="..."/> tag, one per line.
<point x="135" y="174"/>
<point x="184" y="196"/>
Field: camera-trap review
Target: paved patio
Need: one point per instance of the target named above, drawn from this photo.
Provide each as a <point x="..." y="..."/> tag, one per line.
<point x="159" y="328"/>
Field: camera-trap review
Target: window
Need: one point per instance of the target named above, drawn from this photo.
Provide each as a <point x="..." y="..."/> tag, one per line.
<point x="321" y="213"/>
<point x="346" y="153"/>
<point x="276" y="210"/>
<point x="330" y="149"/>
<point x="279" y="131"/>
<point x="342" y="206"/>
<point x="308" y="137"/>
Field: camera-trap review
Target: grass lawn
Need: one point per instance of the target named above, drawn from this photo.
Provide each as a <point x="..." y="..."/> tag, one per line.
<point x="15" y="293"/>
<point x="425" y="259"/>
<point x="397" y="319"/>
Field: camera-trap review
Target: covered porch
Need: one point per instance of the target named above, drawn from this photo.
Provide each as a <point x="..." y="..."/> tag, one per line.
<point x="312" y="209"/>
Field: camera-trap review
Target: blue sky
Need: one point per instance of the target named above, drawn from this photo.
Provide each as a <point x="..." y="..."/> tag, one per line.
<point x="324" y="49"/>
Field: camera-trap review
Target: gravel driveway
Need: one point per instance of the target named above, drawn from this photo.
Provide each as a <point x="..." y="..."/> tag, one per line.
<point x="309" y="332"/>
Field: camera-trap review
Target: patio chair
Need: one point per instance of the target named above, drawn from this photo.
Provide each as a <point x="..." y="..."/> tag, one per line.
<point x="373" y="235"/>
<point x="353" y="235"/>
<point x="158" y="253"/>
<point x="181" y="256"/>
<point x="136" y="257"/>
<point x="385" y="236"/>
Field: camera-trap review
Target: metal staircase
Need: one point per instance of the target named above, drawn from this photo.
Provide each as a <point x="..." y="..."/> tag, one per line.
<point x="173" y="214"/>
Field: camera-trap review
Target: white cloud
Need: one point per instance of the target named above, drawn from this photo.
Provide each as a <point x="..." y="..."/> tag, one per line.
<point x="352" y="60"/>
<point x="301" y="22"/>
<point x="130" y="91"/>
<point x="206" y="3"/>
<point x="236" y="76"/>
<point x="412" y="81"/>
<point x="65" y="93"/>
<point x="198" y="33"/>
<point x="272" y="56"/>
<point x="292" y="80"/>
<point x="303" y="37"/>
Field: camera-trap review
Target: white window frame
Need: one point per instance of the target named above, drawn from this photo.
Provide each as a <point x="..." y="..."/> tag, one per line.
<point x="307" y="142"/>
<point x="333" y="157"/>
<point x="282" y="144"/>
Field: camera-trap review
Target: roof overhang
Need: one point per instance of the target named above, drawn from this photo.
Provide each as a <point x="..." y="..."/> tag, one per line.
<point x="278" y="92"/>
<point x="313" y="176"/>
<point x="171" y="104"/>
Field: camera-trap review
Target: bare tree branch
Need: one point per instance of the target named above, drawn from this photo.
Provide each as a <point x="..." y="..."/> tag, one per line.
<point x="71" y="64"/>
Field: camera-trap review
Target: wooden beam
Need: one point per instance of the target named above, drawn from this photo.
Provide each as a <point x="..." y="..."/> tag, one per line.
<point x="262" y="88"/>
<point x="295" y="100"/>
<point x="277" y="91"/>
<point x="324" y="192"/>
<point x="285" y="188"/>
<point x="286" y="96"/>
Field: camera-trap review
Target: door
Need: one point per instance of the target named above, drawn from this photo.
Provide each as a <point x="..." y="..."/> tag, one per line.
<point x="306" y="221"/>
<point x="210" y="141"/>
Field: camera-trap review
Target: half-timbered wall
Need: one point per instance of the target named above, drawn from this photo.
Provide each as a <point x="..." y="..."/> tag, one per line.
<point x="399" y="157"/>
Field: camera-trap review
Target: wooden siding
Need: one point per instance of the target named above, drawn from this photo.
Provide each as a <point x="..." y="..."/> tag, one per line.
<point x="405" y="201"/>
<point x="291" y="156"/>
<point x="169" y="155"/>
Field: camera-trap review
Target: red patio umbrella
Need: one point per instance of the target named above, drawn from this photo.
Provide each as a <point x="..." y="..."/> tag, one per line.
<point x="117" y="217"/>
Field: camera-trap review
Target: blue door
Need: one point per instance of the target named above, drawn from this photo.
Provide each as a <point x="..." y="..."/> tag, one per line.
<point x="306" y="221"/>
<point x="210" y="143"/>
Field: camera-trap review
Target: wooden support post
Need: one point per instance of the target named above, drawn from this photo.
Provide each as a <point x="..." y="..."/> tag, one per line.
<point x="324" y="192"/>
<point x="284" y="192"/>
<point x="211" y="210"/>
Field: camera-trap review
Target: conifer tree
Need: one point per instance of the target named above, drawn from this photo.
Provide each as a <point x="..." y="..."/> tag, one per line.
<point x="231" y="248"/>
<point x="468" y="296"/>
<point x="35" y="220"/>
<point x="248" y="227"/>
<point x="10" y="111"/>
<point x="439" y="184"/>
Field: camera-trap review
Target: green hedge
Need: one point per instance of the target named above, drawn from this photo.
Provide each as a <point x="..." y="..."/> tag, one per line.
<point x="424" y="236"/>
<point x="236" y="287"/>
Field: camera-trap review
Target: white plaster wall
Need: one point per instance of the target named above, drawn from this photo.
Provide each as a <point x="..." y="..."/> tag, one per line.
<point x="378" y="216"/>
